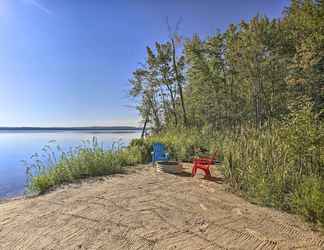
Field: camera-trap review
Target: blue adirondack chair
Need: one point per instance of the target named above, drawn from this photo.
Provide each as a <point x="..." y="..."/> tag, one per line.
<point x="159" y="153"/>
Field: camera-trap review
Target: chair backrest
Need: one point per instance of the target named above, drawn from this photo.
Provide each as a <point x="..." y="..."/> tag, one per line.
<point x="203" y="161"/>
<point x="159" y="149"/>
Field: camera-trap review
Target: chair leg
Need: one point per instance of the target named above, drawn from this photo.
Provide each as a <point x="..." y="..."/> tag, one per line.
<point x="194" y="170"/>
<point x="207" y="172"/>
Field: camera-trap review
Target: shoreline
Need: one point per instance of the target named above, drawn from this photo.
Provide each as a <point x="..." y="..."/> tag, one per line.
<point x="5" y="200"/>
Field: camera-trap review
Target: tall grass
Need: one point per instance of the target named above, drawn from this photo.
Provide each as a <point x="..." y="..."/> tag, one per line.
<point x="281" y="165"/>
<point x="54" y="166"/>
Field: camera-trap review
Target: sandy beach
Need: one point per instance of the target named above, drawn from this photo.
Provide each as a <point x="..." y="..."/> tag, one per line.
<point x="148" y="210"/>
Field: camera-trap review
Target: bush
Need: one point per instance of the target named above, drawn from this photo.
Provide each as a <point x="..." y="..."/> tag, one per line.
<point x="282" y="165"/>
<point x="142" y="148"/>
<point x="308" y="199"/>
<point x="88" y="160"/>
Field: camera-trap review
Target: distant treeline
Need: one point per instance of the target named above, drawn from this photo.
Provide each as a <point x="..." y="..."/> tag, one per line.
<point x="71" y="128"/>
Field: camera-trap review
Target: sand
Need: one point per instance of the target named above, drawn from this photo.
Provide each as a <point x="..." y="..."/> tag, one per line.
<point x="145" y="209"/>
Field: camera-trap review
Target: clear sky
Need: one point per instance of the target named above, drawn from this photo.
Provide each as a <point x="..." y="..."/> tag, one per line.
<point x="67" y="62"/>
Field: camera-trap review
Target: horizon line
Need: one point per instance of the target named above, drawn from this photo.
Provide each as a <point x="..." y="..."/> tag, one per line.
<point x="70" y="127"/>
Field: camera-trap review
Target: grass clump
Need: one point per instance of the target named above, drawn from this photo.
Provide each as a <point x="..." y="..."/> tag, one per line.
<point x="55" y="167"/>
<point x="281" y="166"/>
<point x="308" y="199"/>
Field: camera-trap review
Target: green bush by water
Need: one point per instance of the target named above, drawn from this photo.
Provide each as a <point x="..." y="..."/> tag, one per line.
<point x="56" y="167"/>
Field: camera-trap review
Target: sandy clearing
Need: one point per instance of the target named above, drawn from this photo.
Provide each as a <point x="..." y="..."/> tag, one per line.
<point x="149" y="210"/>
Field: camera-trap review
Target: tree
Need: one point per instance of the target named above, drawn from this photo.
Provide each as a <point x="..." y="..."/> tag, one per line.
<point x="247" y="75"/>
<point x="159" y="84"/>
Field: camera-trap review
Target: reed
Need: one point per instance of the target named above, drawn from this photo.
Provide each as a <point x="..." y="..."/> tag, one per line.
<point x="281" y="166"/>
<point x="54" y="166"/>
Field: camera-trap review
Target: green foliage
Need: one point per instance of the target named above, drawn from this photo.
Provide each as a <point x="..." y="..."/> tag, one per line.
<point x="275" y="166"/>
<point x="56" y="167"/>
<point x="157" y="84"/>
<point x="308" y="199"/>
<point x="141" y="147"/>
<point x="248" y="74"/>
<point x="182" y="144"/>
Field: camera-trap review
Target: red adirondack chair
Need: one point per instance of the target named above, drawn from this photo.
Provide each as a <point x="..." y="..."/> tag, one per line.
<point x="203" y="164"/>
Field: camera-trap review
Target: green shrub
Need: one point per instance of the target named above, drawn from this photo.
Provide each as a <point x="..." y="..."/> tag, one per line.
<point x="142" y="148"/>
<point x="281" y="165"/>
<point x="88" y="160"/>
<point x="308" y="199"/>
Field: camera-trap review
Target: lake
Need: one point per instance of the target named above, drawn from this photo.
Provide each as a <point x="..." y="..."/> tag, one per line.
<point x="16" y="146"/>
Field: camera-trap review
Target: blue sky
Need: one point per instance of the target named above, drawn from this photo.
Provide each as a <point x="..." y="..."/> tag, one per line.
<point x="67" y="62"/>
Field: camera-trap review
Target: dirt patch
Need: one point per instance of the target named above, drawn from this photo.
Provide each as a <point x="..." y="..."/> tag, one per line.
<point x="149" y="210"/>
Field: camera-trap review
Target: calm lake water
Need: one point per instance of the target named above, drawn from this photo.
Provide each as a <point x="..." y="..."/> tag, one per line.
<point x="16" y="146"/>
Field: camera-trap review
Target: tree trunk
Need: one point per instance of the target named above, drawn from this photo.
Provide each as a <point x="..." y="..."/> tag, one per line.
<point x="144" y="127"/>
<point x="173" y="105"/>
<point x="178" y="82"/>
